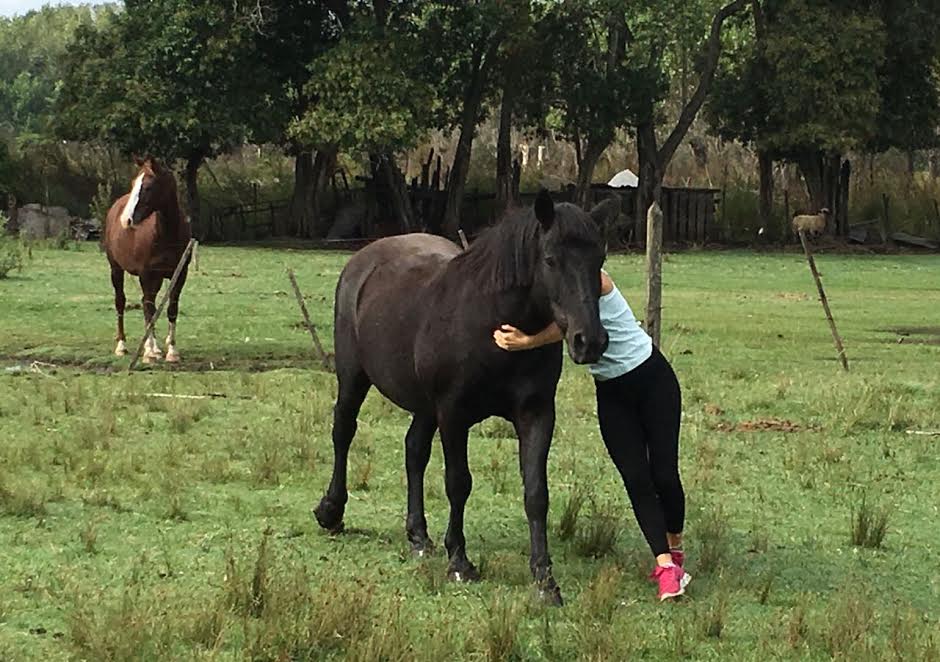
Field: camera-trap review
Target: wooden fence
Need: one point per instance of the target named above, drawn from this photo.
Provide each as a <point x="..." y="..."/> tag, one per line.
<point x="256" y="220"/>
<point x="688" y="213"/>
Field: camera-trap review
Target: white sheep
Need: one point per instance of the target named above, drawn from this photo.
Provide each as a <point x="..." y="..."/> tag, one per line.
<point x="811" y="224"/>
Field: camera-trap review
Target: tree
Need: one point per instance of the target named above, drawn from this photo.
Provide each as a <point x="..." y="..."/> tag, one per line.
<point x="359" y="103"/>
<point x="167" y="77"/>
<point x="594" y="81"/>
<point x="807" y="92"/>
<point x="31" y="49"/>
<point x="654" y="158"/>
<point x="461" y="43"/>
<point x="290" y="36"/>
<point x="909" y="115"/>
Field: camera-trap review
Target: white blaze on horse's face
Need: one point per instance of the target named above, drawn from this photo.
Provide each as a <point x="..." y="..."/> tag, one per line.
<point x="131" y="205"/>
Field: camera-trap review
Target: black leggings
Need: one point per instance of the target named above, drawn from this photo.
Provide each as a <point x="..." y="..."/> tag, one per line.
<point x="639" y="415"/>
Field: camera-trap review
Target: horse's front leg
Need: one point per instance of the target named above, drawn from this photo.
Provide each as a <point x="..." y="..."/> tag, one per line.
<point x="172" y="354"/>
<point x="459" y="483"/>
<point x="535" y="423"/>
<point x="120" y="301"/>
<point x="150" y="286"/>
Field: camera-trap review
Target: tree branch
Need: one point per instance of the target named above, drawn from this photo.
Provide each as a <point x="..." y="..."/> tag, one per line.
<point x="339" y="9"/>
<point x="713" y="51"/>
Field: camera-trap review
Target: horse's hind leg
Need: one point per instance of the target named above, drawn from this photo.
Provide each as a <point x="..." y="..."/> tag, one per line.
<point x="172" y="354"/>
<point x="417" y="453"/>
<point x="117" y="282"/>
<point x="353" y="387"/>
<point x="150" y="285"/>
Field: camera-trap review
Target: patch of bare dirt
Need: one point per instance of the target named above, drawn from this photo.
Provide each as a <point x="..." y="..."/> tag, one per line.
<point x="770" y="424"/>
<point x="904" y="335"/>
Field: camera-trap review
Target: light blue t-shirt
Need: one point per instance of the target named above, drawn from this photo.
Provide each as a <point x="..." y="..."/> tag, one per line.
<point x="628" y="345"/>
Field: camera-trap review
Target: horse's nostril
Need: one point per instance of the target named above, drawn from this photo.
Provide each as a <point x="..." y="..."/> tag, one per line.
<point x="579" y="342"/>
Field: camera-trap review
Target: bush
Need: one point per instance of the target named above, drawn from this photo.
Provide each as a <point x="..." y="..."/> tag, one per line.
<point x="11" y="253"/>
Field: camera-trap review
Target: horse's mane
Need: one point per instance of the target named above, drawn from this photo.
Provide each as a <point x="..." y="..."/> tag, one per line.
<point x="505" y="255"/>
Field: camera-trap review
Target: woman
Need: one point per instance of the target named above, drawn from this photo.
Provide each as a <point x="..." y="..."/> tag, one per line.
<point x="639" y="407"/>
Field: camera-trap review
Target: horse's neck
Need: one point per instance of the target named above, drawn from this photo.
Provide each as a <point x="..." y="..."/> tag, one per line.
<point x="528" y="309"/>
<point x="171" y="216"/>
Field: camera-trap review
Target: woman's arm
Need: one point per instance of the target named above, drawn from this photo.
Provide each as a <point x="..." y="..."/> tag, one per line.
<point x="513" y="340"/>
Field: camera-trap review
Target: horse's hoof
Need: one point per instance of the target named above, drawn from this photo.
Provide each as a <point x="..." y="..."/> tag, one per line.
<point x="421" y="549"/>
<point x="464" y="573"/>
<point x="149" y="358"/>
<point x="172" y="356"/>
<point x="329" y="515"/>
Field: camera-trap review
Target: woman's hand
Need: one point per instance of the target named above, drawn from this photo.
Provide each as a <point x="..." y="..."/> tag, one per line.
<point x="512" y="339"/>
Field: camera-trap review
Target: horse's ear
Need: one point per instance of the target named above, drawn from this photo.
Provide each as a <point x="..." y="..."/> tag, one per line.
<point x="138" y="160"/>
<point x="544" y="209"/>
<point x="154" y="164"/>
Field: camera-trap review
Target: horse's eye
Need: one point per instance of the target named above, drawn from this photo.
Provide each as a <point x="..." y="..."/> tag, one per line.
<point x="550" y="261"/>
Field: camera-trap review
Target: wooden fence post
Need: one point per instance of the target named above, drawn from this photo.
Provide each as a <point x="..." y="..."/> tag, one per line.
<point x="654" y="276"/>
<point x="825" y="302"/>
<point x="324" y="357"/>
<point x="159" y="310"/>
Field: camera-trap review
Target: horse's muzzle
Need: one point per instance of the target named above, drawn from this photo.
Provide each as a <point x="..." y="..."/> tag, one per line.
<point x="585" y="348"/>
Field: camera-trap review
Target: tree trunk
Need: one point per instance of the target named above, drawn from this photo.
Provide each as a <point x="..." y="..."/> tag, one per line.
<point x="842" y="219"/>
<point x="766" y="166"/>
<point x="191" y="177"/>
<point x="324" y="164"/>
<point x="472" y="99"/>
<point x="461" y="165"/>
<point x="392" y="182"/>
<point x="811" y="167"/>
<point x="589" y="156"/>
<point x="301" y="206"/>
<point x="650" y="176"/>
<point x="504" y="172"/>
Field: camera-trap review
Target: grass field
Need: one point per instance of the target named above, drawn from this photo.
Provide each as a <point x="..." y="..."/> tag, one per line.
<point x="139" y="527"/>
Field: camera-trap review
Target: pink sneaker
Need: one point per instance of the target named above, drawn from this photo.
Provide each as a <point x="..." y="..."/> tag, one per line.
<point x="672" y="580"/>
<point x="678" y="556"/>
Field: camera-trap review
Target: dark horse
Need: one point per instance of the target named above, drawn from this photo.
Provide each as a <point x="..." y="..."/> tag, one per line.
<point x="414" y="316"/>
<point x="145" y="235"/>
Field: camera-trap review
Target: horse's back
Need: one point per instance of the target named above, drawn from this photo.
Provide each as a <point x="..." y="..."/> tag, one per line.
<point x="381" y="303"/>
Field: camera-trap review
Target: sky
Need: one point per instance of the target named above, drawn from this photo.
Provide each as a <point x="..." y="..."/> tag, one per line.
<point x="17" y="7"/>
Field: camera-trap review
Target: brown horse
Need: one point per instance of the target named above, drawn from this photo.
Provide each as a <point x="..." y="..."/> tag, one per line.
<point x="145" y="235"/>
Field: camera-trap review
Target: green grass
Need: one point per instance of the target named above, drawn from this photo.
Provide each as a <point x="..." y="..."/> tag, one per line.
<point x="136" y="527"/>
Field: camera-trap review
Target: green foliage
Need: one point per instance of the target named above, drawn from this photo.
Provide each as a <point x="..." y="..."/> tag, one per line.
<point x="593" y="85"/>
<point x="832" y="77"/>
<point x="31" y="51"/>
<point x="841" y="47"/>
<point x="361" y="103"/>
<point x="11" y="253"/>
<point x="176" y="79"/>
<point x="910" y="76"/>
